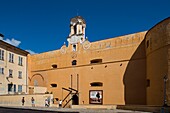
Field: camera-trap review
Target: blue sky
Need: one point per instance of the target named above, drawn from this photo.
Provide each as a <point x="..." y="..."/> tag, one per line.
<point x="43" y="25"/>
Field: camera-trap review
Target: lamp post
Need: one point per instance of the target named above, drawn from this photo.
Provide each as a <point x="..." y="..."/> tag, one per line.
<point x="165" y="101"/>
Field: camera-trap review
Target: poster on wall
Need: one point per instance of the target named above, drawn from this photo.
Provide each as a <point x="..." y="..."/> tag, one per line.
<point x="95" y="96"/>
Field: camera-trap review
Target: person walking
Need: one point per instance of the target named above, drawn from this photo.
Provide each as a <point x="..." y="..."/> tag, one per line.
<point x="46" y="103"/>
<point x="23" y="101"/>
<point x="48" y="99"/>
<point x="60" y="103"/>
<point x="33" y="102"/>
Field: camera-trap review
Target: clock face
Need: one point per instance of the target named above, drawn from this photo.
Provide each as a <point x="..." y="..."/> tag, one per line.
<point x="86" y="45"/>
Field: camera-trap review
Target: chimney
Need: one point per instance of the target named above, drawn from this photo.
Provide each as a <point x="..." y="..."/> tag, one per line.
<point x="1" y="36"/>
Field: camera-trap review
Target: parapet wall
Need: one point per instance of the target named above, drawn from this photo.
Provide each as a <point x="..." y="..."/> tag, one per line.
<point x="118" y="42"/>
<point x="15" y="100"/>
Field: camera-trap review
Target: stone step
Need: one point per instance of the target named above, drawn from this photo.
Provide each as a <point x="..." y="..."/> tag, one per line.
<point x="93" y="106"/>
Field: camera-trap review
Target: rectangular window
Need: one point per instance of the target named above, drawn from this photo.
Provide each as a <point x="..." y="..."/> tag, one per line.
<point x="1" y="54"/>
<point x="20" y="74"/>
<point x="10" y="73"/>
<point x="20" y="59"/>
<point x="1" y="70"/>
<point x="19" y="88"/>
<point x="14" y="87"/>
<point x="96" y="61"/>
<point x="10" y="87"/>
<point x="11" y="57"/>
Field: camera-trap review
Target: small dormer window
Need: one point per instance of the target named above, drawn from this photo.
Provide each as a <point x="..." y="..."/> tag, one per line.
<point x="74" y="47"/>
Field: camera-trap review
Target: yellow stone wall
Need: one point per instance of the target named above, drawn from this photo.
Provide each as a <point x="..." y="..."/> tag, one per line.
<point x="132" y="68"/>
<point x="122" y="71"/>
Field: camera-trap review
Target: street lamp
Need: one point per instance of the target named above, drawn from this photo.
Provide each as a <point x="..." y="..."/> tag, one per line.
<point x="165" y="101"/>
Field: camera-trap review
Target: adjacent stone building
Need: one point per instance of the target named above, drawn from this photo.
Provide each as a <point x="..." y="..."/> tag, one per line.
<point x="13" y="69"/>
<point x="124" y="70"/>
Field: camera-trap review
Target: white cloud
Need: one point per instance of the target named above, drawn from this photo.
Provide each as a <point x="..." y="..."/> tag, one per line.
<point x="31" y="52"/>
<point x="13" y="42"/>
<point x="16" y="43"/>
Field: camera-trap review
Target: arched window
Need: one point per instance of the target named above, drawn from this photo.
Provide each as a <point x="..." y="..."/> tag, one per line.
<point x="93" y="84"/>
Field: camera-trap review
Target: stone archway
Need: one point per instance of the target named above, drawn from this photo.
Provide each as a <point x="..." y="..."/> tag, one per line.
<point x="37" y="80"/>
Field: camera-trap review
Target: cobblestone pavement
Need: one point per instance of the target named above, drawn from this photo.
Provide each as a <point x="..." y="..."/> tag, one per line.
<point x="60" y="110"/>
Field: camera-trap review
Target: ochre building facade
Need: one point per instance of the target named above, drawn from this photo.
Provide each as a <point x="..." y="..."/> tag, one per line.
<point x="124" y="70"/>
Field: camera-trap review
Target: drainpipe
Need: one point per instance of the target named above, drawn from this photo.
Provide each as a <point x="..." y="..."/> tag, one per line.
<point x="77" y="82"/>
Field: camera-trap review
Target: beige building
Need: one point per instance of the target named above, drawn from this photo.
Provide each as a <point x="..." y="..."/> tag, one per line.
<point x="123" y="70"/>
<point x="13" y="69"/>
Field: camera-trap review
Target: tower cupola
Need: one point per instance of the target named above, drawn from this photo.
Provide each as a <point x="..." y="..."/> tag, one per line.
<point x="77" y="30"/>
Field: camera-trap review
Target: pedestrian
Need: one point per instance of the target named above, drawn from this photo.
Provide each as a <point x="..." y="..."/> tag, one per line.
<point x="46" y="103"/>
<point x="33" y="102"/>
<point x="60" y="103"/>
<point x="48" y="99"/>
<point x="52" y="100"/>
<point x="23" y="101"/>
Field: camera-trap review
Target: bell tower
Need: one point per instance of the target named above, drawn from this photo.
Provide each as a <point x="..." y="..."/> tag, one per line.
<point x="77" y="31"/>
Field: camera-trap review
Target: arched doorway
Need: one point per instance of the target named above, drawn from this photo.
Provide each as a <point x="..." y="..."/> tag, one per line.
<point x="75" y="100"/>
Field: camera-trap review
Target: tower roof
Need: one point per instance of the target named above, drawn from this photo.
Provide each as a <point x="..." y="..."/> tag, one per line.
<point x="77" y="19"/>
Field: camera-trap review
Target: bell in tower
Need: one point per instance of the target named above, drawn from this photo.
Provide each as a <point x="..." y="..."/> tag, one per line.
<point x="77" y="30"/>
